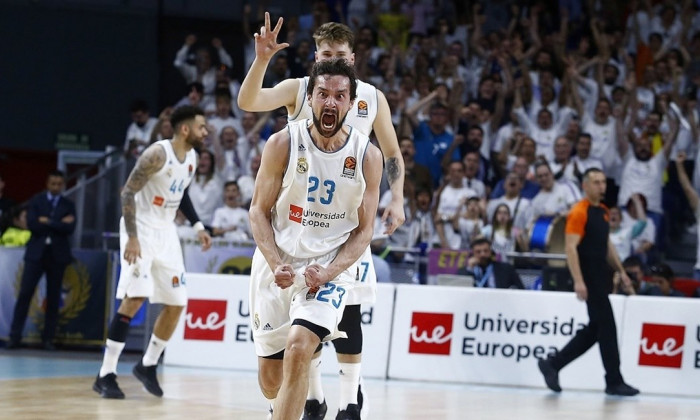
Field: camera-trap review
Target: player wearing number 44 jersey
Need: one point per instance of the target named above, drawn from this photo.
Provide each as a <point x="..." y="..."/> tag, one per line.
<point x="152" y="265"/>
<point x="312" y="219"/>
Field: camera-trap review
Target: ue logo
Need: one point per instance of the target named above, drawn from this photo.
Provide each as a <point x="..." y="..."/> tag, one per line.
<point x="205" y="320"/>
<point x="431" y="333"/>
<point x="295" y="213"/>
<point x="661" y="345"/>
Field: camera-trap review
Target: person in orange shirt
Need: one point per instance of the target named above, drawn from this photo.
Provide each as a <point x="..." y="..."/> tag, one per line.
<point x="588" y="251"/>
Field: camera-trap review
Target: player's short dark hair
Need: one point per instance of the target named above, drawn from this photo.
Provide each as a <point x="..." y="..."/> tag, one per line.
<point x="333" y="67"/>
<point x="184" y="113"/>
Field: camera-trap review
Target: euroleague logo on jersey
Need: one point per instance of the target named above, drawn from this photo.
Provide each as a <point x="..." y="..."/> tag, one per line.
<point x="661" y="345"/>
<point x="295" y="213"/>
<point x="362" y="108"/>
<point x="431" y="333"/>
<point x="205" y="320"/>
<point x="349" y="166"/>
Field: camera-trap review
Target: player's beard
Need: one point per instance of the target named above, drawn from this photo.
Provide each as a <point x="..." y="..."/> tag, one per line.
<point x="327" y="133"/>
<point x="195" y="141"/>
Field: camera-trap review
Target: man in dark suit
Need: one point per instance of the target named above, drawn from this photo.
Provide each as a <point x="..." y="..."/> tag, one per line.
<point x="486" y="271"/>
<point x="51" y="219"/>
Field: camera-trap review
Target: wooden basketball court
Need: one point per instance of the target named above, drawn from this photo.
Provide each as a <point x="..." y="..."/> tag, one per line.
<point x="40" y="385"/>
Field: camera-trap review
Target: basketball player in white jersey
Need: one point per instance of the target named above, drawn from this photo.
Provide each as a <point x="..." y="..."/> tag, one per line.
<point x="370" y="112"/>
<point x="312" y="219"/>
<point x="152" y="265"/>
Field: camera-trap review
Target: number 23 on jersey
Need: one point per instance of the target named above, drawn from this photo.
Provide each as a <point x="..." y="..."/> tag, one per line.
<point x="324" y="194"/>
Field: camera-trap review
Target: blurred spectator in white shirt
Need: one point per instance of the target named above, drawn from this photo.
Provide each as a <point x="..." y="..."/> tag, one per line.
<point x="223" y="116"/>
<point x="205" y="189"/>
<point x="246" y="183"/>
<point x="230" y="159"/>
<point x="622" y="237"/>
<point x="583" y="160"/>
<point x="203" y="70"/>
<point x="138" y="134"/>
<point x="450" y="199"/>
<point x="555" y="198"/>
<point x="231" y="220"/>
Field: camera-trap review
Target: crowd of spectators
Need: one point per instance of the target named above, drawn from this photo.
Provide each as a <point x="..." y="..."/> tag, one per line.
<point x="499" y="107"/>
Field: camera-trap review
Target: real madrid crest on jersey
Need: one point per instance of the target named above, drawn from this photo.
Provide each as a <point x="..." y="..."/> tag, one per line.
<point x="362" y="108"/>
<point x="349" y="167"/>
<point x="302" y="165"/>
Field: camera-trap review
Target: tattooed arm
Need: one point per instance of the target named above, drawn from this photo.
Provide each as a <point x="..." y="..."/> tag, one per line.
<point x="148" y="164"/>
<point x="393" y="216"/>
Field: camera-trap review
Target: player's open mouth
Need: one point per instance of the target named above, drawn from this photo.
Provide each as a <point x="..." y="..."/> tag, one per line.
<point x="328" y="121"/>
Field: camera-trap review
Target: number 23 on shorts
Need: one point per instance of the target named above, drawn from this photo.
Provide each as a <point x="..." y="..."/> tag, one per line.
<point x="331" y="293"/>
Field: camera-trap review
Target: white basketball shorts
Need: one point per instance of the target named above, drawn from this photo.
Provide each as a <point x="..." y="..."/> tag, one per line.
<point x="273" y="309"/>
<point x="157" y="275"/>
<point x="365" y="288"/>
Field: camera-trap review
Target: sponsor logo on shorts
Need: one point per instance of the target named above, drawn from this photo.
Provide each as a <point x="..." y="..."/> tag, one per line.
<point x="431" y="333"/>
<point x="205" y="320"/>
<point x="362" y="108"/>
<point x="349" y="167"/>
<point x="158" y="200"/>
<point x="295" y="213"/>
<point x="661" y="345"/>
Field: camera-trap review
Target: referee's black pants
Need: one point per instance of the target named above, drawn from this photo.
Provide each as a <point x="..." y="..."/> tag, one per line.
<point x="601" y="329"/>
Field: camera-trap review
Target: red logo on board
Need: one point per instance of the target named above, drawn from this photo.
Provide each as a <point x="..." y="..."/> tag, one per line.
<point x="205" y="320"/>
<point x="661" y="345"/>
<point x="431" y="333"/>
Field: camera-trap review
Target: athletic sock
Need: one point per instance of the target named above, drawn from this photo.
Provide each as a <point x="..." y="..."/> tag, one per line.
<point x="116" y="339"/>
<point x="113" y="349"/>
<point x="155" y="349"/>
<point x="315" y="386"/>
<point x="349" y="382"/>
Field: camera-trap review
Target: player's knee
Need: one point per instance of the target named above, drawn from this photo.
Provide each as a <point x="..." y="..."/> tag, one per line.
<point x="299" y="349"/>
